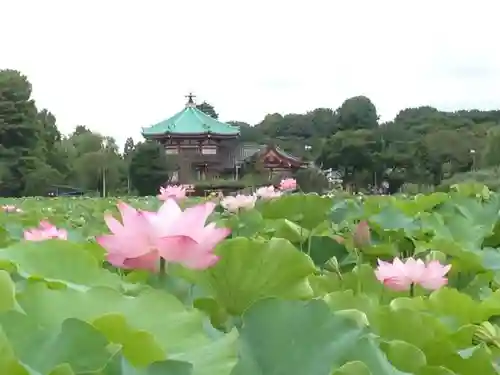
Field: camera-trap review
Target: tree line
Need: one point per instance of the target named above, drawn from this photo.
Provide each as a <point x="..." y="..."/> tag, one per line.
<point x="420" y="146"/>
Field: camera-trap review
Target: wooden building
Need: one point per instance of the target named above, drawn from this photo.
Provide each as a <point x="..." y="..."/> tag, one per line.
<point x="276" y="162"/>
<point x="200" y="147"/>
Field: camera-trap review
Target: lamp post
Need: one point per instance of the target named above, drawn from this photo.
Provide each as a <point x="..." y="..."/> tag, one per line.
<point x="105" y="146"/>
<point x="473" y="154"/>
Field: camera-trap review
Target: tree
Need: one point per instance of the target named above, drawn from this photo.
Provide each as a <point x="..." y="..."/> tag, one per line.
<point x="128" y="151"/>
<point x="128" y="148"/>
<point x="39" y="180"/>
<point x="50" y="137"/>
<point x="352" y="153"/>
<point x="80" y="129"/>
<point x="208" y="109"/>
<point x="248" y="133"/>
<point x="20" y="132"/>
<point x="312" y="180"/>
<point x="357" y="113"/>
<point x="50" y="134"/>
<point x="103" y="169"/>
<point x="148" y="167"/>
<point x="422" y="145"/>
<point x="491" y="157"/>
<point x="86" y="142"/>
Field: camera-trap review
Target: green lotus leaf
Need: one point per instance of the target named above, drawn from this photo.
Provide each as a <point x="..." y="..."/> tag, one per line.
<point x="154" y="318"/>
<point x="294" y="338"/>
<point x="57" y="260"/>
<point x="253" y="269"/>
<point x="74" y="342"/>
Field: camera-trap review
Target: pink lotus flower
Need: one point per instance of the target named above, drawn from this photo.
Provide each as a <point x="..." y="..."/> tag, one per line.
<point x="172" y="192"/>
<point x="288" y="184"/>
<point x="234" y="204"/>
<point x="267" y="192"/>
<point x="11" y="208"/>
<point x="400" y="275"/>
<point x="175" y="235"/>
<point x="45" y="231"/>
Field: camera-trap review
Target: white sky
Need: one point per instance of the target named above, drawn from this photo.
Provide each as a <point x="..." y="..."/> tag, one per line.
<point x="116" y="66"/>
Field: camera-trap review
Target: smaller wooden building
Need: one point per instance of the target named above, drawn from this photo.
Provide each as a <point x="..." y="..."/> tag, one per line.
<point x="276" y="162"/>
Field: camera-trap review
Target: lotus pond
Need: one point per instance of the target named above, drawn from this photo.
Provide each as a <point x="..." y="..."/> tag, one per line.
<point x="297" y="289"/>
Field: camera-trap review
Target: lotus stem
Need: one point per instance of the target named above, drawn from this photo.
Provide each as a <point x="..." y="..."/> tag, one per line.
<point x="163" y="271"/>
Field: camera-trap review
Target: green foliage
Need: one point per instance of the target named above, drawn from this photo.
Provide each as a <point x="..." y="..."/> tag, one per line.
<point x="291" y="294"/>
<point x="208" y="109"/>
<point x="34" y="156"/>
<point x="423" y="145"/>
<point x="312" y="180"/>
<point x="148" y="167"/>
<point x="491" y="156"/>
<point x="357" y="113"/>
<point x="19" y="132"/>
<point x="129" y="148"/>
<point x="420" y="147"/>
<point x="486" y="176"/>
<point x="287" y="297"/>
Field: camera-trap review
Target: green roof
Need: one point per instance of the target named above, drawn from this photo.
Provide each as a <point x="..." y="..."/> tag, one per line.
<point x="191" y="121"/>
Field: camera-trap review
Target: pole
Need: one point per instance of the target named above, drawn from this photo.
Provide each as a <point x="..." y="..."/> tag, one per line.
<point x="105" y="149"/>
<point x="104" y="182"/>
<point x="473" y="154"/>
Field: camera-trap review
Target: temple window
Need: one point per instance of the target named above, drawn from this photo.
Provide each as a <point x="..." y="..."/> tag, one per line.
<point x="171" y="150"/>
<point x="209" y="150"/>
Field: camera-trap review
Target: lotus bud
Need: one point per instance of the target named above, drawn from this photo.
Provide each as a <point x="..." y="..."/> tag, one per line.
<point x="362" y="236"/>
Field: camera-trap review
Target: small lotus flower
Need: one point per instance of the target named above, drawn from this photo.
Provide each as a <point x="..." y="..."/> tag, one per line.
<point x="435" y="275"/>
<point x="234" y="204"/>
<point x="288" y="184"/>
<point x="267" y="192"/>
<point x="400" y="275"/>
<point x="175" y="235"/>
<point x="362" y="234"/>
<point x="172" y="192"/>
<point x="45" y="231"/>
<point x="11" y="208"/>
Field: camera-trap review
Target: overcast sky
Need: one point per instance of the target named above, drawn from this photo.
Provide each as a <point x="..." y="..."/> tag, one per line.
<point x="116" y="66"/>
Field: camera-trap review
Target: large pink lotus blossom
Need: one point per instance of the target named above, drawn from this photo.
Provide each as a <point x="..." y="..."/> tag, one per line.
<point x="234" y="204"/>
<point x="172" y="192"/>
<point x="288" y="184"/>
<point x="45" y="231"/>
<point x="267" y="192"/>
<point x="10" y="208"/>
<point x="400" y="275"/>
<point x="175" y="235"/>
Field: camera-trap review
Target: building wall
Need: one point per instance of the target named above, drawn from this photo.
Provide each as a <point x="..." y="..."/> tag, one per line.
<point x="207" y="158"/>
<point x="196" y="159"/>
